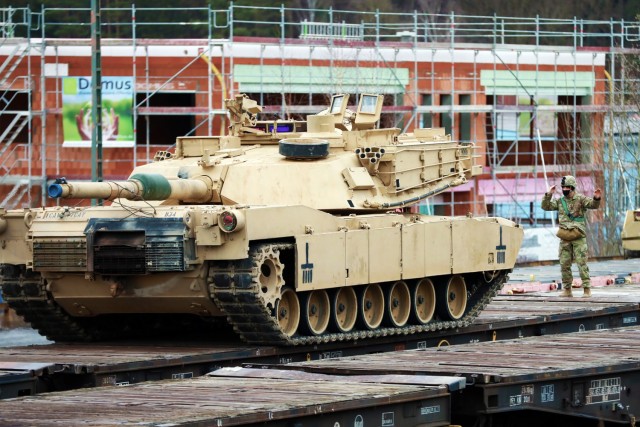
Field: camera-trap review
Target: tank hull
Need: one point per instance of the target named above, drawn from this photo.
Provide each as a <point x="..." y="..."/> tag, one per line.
<point x="631" y="234"/>
<point x="310" y="252"/>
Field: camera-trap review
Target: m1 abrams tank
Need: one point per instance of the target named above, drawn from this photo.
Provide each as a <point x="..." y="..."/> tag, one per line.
<point x="631" y="234"/>
<point x="286" y="232"/>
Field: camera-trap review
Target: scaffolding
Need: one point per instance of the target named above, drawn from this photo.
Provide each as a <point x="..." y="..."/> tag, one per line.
<point x="541" y="97"/>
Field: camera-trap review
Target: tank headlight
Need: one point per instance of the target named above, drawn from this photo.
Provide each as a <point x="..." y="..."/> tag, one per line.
<point x="230" y="221"/>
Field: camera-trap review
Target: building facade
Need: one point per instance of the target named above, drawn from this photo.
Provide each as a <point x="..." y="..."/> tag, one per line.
<point x="534" y="98"/>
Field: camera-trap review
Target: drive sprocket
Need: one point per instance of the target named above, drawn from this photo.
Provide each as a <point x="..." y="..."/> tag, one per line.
<point x="269" y="278"/>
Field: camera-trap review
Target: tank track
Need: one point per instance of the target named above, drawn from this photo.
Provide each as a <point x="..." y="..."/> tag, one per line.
<point x="235" y="289"/>
<point x="26" y="293"/>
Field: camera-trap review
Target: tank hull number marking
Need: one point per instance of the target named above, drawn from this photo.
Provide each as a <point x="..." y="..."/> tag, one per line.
<point x="307" y="268"/>
<point x="501" y="249"/>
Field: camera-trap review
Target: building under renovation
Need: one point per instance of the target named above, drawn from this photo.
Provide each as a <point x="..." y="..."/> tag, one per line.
<point x="539" y="98"/>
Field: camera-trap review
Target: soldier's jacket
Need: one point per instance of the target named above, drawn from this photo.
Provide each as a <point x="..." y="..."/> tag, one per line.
<point x="577" y="207"/>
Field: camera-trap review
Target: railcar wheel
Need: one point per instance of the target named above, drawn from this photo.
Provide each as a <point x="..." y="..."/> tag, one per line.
<point x="423" y="301"/>
<point x="451" y="298"/>
<point x="288" y="312"/>
<point x="344" y="309"/>
<point x="317" y="311"/>
<point x="398" y="304"/>
<point x="371" y="306"/>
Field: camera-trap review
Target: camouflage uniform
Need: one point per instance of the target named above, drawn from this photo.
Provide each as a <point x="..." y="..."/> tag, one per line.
<point x="576" y="249"/>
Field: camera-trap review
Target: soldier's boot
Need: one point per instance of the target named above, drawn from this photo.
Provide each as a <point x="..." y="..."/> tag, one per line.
<point x="566" y="292"/>
<point x="587" y="293"/>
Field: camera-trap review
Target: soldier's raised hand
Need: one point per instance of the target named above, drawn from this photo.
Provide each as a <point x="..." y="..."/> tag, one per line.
<point x="597" y="194"/>
<point x="552" y="189"/>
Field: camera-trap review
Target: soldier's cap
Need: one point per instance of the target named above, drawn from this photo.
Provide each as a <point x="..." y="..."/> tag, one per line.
<point x="568" y="181"/>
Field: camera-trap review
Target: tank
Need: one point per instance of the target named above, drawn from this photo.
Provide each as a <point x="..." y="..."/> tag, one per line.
<point x="279" y="233"/>
<point x="631" y="234"/>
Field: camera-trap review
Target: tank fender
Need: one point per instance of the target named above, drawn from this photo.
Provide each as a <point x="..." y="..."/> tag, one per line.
<point x="14" y="248"/>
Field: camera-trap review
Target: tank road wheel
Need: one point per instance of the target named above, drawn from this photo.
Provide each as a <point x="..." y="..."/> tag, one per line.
<point x="317" y="311"/>
<point x="288" y="312"/>
<point x="423" y="301"/>
<point x="270" y="274"/>
<point x="344" y="309"/>
<point x="451" y="298"/>
<point x="371" y="306"/>
<point x="398" y="304"/>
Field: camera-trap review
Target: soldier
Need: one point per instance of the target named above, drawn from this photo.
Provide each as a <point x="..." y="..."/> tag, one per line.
<point x="572" y="231"/>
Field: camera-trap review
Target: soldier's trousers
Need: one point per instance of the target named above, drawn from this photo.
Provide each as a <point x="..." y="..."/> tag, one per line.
<point x="574" y="251"/>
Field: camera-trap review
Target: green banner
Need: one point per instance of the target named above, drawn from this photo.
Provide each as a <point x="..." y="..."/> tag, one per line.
<point x="117" y="112"/>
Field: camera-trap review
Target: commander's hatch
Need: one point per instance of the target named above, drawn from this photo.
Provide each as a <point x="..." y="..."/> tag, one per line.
<point x="368" y="113"/>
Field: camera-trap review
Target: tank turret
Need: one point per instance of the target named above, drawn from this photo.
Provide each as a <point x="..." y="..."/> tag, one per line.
<point x="340" y="163"/>
<point x="284" y="232"/>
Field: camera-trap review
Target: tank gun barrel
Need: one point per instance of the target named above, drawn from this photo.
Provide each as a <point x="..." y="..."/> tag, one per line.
<point x="138" y="187"/>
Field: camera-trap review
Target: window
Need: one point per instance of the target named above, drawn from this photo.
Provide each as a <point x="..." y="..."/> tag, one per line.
<point x="426" y="120"/>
